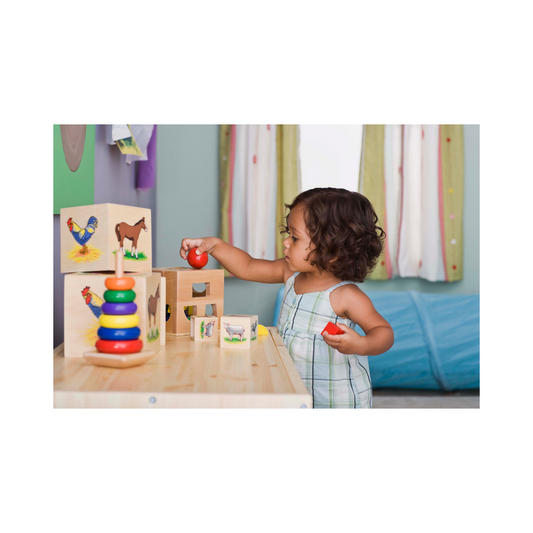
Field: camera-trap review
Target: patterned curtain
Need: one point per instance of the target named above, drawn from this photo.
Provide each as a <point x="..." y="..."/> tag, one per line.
<point x="413" y="175"/>
<point x="259" y="174"/>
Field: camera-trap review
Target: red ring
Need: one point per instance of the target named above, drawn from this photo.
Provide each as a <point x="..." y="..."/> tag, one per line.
<point x="132" y="346"/>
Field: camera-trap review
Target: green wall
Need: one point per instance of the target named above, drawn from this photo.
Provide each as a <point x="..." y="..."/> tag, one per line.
<point x="187" y="205"/>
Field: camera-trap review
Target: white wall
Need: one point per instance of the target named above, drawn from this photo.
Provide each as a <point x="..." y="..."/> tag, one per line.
<point x="330" y="155"/>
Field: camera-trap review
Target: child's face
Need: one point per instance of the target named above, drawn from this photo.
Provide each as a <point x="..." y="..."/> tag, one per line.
<point x="298" y="243"/>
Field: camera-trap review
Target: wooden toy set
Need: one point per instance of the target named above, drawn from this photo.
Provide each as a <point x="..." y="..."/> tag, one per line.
<point x="239" y="331"/>
<point x="96" y="239"/>
<point x="104" y="324"/>
<point x="189" y="292"/>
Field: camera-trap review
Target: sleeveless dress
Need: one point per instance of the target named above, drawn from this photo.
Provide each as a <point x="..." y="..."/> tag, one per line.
<point x="335" y="380"/>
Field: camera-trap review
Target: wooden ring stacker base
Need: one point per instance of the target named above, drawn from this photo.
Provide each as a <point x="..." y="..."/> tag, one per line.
<point x="118" y="360"/>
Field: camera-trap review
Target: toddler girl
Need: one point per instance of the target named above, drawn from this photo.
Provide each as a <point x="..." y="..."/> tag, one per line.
<point x="333" y="243"/>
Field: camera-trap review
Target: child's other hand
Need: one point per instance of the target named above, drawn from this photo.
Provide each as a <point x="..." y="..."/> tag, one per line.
<point x="348" y="343"/>
<point x="204" y="244"/>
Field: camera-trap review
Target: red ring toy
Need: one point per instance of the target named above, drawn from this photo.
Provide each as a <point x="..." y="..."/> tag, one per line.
<point x="133" y="346"/>
<point x="119" y="284"/>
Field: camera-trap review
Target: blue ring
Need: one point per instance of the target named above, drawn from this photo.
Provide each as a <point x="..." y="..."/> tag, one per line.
<point x="122" y="334"/>
<point x="119" y="309"/>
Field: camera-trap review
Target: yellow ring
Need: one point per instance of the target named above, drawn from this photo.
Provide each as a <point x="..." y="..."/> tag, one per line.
<point x="119" y="321"/>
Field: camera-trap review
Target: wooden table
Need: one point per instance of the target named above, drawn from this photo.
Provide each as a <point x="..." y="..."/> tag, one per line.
<point x="188" y="374"/>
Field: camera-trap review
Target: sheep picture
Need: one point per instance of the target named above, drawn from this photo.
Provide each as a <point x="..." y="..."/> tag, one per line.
<point x="208" y="329"/>
<point x="234" y="331"/>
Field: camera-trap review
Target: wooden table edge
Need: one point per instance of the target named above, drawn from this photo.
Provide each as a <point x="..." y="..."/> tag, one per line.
<point x="183" y="400"/>
<point x="290" y="369"/>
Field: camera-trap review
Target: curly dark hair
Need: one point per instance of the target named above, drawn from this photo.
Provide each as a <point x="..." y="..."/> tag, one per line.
<point x="343" y="226"/>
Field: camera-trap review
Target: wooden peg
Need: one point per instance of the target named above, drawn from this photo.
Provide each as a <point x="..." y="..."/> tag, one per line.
<point x="119" y="264"/>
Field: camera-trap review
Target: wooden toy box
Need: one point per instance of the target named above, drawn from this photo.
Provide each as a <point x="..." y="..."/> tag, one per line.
<point x="204" y="328"/>
<point x="188" y="287"/>
<point x="84" y="295"/>
<point x="92" y="234"/>
<point x="239" y="331"/>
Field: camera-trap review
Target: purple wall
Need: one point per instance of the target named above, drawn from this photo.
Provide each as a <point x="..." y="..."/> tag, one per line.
<point x="114" y="182"/>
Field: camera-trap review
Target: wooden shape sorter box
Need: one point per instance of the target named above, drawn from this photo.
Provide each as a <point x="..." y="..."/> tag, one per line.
<point x="181" y="294"/>
<point x="238" y="331"/>
<point x="84" y="296"/>
<point x="92" y="234"/>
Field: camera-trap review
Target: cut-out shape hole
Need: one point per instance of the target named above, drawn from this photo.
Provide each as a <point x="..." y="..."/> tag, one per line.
<point x="189" y="310"/>
<point x="168" y="313"/>
<point x="200" y="290"/>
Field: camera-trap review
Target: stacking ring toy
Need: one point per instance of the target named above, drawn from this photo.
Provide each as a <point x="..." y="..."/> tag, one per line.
<point x="119" y="321"/>
<point x="119" y="346"/>
<point x="119" y="309"/>
<point x="122" y="334"/>
<point x="119" y="284"/>
<point x="116" y="297"/>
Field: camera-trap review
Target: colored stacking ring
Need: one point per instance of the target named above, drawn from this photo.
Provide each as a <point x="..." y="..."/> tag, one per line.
<point x="119" y="309"/>
<point x="119" y="321"/>
<point x="116" y="297"/>
<point x="119" y="284"/>
<point x="119" y="346"/>
<point x="119" y="334"/>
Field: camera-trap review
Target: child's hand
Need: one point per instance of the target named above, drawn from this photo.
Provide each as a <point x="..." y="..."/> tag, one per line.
<point x="347" y="343"/>
<point x="205" y="244"/>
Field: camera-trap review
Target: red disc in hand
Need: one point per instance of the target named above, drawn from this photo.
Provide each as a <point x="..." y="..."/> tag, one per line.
<point x="133" y="346"/>
<point x="197" y="261"/>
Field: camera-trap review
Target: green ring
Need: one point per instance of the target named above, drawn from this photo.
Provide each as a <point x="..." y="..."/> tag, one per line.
<point x="116" y="297"/>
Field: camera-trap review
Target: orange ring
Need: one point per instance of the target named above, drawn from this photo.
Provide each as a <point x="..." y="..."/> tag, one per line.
<point x="119" y="284"/>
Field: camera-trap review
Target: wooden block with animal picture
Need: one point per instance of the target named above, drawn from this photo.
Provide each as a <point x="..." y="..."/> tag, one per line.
<point x="192" y="292"/>
<point x="85" y="293"/>
<point x="204" y="328"/>
<point x="91" y="235"/>
<point x="238" y="331"/>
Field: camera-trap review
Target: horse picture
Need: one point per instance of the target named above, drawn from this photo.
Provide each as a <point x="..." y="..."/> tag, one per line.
<point x="152" y="308"/>
<point x="125" y="231"/>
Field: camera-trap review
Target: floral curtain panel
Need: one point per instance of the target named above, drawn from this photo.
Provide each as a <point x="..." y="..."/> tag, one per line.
<point x="259" y="174"/>
<point x="413" y="175"/>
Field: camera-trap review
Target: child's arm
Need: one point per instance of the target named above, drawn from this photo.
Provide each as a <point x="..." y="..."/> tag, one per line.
<point x="349" y="301"/>
<point x="238" y="262"/>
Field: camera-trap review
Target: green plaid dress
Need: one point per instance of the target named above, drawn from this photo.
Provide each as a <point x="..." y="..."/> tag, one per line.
<point x="335" y="380"/>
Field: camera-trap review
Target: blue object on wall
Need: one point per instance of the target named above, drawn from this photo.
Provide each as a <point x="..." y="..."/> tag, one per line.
<point x="436" y="341"/>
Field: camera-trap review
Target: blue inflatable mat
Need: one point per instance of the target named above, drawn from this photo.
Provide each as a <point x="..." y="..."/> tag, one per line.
<point x="436" y="344"/>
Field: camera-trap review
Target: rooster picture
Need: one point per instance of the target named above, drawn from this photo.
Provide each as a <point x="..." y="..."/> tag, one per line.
<point x="93" y="301"/>
<point x="82" y="236"/>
